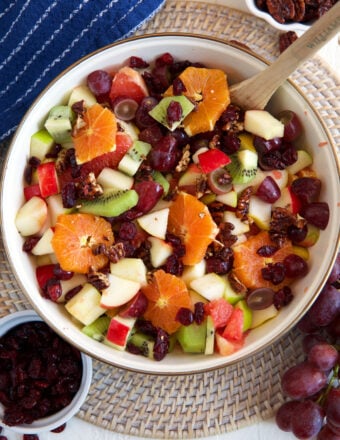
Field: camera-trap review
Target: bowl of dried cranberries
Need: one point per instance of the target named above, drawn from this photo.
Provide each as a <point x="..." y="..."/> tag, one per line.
<point x="44" y="380"/>
<point x="155" y="225"/>
<point x="290" y="15"/>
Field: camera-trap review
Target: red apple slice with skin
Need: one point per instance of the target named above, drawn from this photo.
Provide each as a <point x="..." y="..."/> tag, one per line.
<point x="119" y="331"/>
<point x="31" y="217"/>
<point x="48" y="179"/>
<point x="119" y="292"/>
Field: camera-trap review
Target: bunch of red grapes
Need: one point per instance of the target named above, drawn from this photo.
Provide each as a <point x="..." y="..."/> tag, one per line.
<point x="313" y="385"/>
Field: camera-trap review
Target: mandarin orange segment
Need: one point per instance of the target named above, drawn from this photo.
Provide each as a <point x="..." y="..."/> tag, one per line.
<point x="191" y="220"/>
<point x="209" y="89"/>
<point x="166" y="294"/>
<point x="96" y="135"/>
<point x="75" y="237"/>
<point x="248" y="263"/>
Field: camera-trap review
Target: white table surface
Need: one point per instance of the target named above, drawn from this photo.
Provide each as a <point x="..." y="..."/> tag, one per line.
<point x="77" y="429"/>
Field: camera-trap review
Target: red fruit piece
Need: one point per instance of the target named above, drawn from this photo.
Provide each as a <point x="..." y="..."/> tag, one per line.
<point x="220" y="311"/>
<point x="234" y="329"/>
<point x="48" y="180"/>
<point x="32" y="191"/>
<point x="212" y="159"/>
<point x="129" y="83"/>
<point x="44" y="274"/>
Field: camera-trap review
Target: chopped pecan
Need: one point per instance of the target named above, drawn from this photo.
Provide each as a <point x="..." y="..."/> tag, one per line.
<point x="99" y="280"/>
<point x="281" y="219"/>
<point x="226" y="236"/>
<point x="214" y="141"/>
<point x="114" y="252"/>
<point x="185" y="159"/>
<point x="88" y="188"/>
<point x="299" y="10"/>
<point x="286" y="39"/>
<point x="243" y="203"/>
<point x="216" y="210"/>
<point x="236" y="284"/>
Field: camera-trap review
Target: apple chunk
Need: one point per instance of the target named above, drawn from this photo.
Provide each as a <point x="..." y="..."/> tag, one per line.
<point x="155" y="223"/>
<point x="31" y="216"/>
<point x="119" y="292"/>
<point x="132" y="269"/>
<point x="119" y="331"/>
<point x="262" y="123"/>
<point x="160" y="251"/>
<point x="85" y="305"/>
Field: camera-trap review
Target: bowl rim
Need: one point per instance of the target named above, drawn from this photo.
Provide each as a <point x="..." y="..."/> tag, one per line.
<point x="57" y="419"/>
<point x="227" y="361"/>
<point x="291" y="26"/>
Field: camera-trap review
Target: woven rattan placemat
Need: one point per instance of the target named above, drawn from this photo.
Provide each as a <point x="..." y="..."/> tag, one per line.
<point x="220" y="401"/>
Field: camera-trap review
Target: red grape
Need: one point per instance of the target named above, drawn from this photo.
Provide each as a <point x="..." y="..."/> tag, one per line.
<point x="295" y="266"/>
<point x="124" y="108"/>
<point x="268" y="190"/>
<point x="303" y="380"/>
<point x="307" y="419"/>
<point x="260" y="298"/>
<point x="333" y="406"/>
<point x="327" y="434"/>
<point x="284" y="415"/>
<point x="326" y="307"/>
<point x="293" y="126"/>
<point x="316" y="213"/>
<point x="99" y="82"/>
<point x="307" y="189"/>
<point x="324" y="356"/>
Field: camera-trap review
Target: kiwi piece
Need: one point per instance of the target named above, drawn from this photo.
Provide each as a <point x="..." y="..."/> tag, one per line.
<point x="159" y="178"/>
<point x="144" y="343"/>
<point x="97" y="329"/>
<point x="160" y="111"/>
<point x="59" y="123"/>
<point x="132" y="160"/>
<point x="243" y="166"/>
<point x="111" y="203"/>
<point x="192" y="338"/>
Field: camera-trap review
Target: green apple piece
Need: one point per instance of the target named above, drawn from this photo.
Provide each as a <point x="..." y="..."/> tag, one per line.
<point x="132" y="269"/>
<point x="44" y="246"/>
<point x="211" y="286"/>
<point x="97" y="329"/>
<point x="261" y="316"/>
<point x="40" y="144"/>
<point x="193" y="272"/>
<point x="109" y="178"/>
<point x="247" y="314"/>
<point x="313" y="234"/>
<point x="230" y="294"/>
<point x="59" y="123"/>
<point x="82" y="93"/>
<point x="129" y="128"/>
<point x="229" y="198"/>
<point x="192" y="338"/>
<point x="31" y="216"/>
<point x="210" y="339"/>
<point x="160" y="251"/>
<point x="304" y="160"/>
<point x="240" y="227"/>
<point x="159" y="112"/>
<point x="85" y="305"/>
<point x="155" y="223"/>
<point x="119" y="292"/>
<point x="260" y="212"/>
<point x="262" y="123"/>
<point x="301" y="251"/>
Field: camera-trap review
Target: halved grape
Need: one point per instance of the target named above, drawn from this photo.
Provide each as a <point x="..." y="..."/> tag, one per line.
<point x="293" y="126"/>
<point x="124" y="108"/>
<point x="219" y="181"/>
<point x="260" y="298"/>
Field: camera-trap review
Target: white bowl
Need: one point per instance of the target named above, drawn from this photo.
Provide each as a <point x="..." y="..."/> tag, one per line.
<point x="293" y="26"/>
<point x="58" y="419"/>
<point x="240" y="64"/>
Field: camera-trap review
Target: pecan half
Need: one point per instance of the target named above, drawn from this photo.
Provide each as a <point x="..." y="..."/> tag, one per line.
<point x="286" y="39"/>
<point x="99" y="280"/>
<point x="280" y="221"/>
<point x="281" y="10"/>
<point x="243" y="203"/>
<point x="88" y="188"/>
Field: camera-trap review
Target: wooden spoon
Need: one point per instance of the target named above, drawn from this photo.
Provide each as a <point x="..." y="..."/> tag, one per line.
<point x="255" y="92"/>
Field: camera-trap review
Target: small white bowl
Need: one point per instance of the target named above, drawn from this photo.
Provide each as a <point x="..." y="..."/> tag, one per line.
<point x="58" y="419"/>
<point x="239" y="64"/>
<point x="293" y="26"/>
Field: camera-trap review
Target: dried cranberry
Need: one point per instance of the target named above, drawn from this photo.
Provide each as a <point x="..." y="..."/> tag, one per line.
<point x="72" y="292"/>
<point x="127" y="231"/>
<point x="61" y="274"/>
<point x="178" y="86"/>
<point x="53" y="289"/>
<point x="174" y="265"/>
<point x="137" y="62"/>
<point x="69" y="195"/>
<point x="185" y="316"/>
<point x="274" y="273"/>
<point x="173" y="112"/>
<point x="29" y="244"/>
<point x="267" y="250"/>
<point x="218" y="265"/>
<point x="161" y="346"/>
<point x="282" y="297"/>
<point x="199" y="312"/>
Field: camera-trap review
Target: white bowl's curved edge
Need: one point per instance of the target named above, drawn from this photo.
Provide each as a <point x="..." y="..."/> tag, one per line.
<point x="55" y="420"/>
<point x="172" y="366"/>
<point x="299" y="27"/>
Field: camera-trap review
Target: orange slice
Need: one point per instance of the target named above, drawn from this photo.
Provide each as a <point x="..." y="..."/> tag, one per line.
<point x="209" y="89"/>
<point x="75" y="235"/>
<point x="248" y="263"/>
<point x="191" y="220"/>
<point x="98" y="134"/>
<point x="166" y="294"/>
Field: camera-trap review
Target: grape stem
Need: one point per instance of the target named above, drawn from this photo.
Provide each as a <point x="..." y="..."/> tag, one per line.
<point x="334" y="377"/>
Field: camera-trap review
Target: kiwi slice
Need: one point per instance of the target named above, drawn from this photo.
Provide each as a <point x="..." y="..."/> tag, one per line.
<point x="160" y="111"/>
<point x="144" y="343"/>
<point x="192" y="338"/>
<point x="111" y="203"/>
<point x="132" y="160"/>
<point x="243" y="166"/>
<point x="59" y="123"/>
<point x="97" y="329"/>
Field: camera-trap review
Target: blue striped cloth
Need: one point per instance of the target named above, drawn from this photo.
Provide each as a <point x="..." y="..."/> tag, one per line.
<point x="39" y="39"/>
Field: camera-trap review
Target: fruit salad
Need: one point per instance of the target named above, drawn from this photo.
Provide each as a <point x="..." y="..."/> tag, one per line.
<point x="162" y="216"/>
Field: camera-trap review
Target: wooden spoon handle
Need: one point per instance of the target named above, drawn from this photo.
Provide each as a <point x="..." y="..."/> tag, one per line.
<point x="255" y="92"/>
